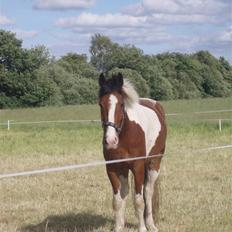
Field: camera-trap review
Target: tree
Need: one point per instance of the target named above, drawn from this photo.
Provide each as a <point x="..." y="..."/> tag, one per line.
<point x="19" y="83"/>
<point x="107" y="55"/>
<point x="39" y="56"/>
<point x="85" y="91"/>
<point x="26" y="90"/>
<point x="216" y="75"/>
<point x="101" y="49"/>
<point x="10" y="51"/>
<point x="78" y="65"/>
<point x="72" y="89"/>
<point x="161" y="89"/>
<point x="32" y="77"/>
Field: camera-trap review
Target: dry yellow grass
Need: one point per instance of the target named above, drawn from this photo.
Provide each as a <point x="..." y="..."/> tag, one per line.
<point x="196" y="186"/>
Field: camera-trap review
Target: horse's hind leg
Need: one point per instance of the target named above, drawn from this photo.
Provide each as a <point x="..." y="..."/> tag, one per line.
<point x="120" y="188"/>
<point x="151" y="176"/>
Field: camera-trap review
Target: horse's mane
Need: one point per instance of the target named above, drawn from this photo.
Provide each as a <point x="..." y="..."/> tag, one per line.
<point x="130" y="94"/>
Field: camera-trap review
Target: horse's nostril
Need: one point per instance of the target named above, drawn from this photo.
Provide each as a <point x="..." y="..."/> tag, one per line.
<point x="116" y="140"/>
<point x="105" y="141"/>
<point x="111" y="141"/>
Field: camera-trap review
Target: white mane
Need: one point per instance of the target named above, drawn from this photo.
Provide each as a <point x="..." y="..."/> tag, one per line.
<point x="131" y="96"/>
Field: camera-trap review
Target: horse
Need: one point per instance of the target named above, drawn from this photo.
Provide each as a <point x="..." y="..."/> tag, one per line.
<point x="132" y="127"/>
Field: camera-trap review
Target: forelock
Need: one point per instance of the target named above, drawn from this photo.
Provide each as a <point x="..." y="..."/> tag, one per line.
<point x="109" y="87"/>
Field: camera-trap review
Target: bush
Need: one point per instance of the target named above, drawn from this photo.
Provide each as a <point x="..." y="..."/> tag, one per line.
<point x="161" y="89"/>
<point x="73" y="89"/>
<point x="85" y="91"/>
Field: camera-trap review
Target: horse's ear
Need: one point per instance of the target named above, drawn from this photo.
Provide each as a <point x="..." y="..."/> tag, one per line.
<point x="120" y="80"/>
<point x="102" y="79"/>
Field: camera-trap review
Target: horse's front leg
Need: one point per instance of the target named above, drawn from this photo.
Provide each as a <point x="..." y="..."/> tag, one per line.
<point x="120" y="186"/>
<point x="138" y="171"/>
<point x="152" y="175"/>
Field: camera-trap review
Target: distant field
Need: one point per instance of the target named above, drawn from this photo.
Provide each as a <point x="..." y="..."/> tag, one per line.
<point x="196" y="186"/>
<point x="92" y="111"/>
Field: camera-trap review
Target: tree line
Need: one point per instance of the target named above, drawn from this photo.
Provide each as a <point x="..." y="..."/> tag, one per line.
<point x="33" y="77"/>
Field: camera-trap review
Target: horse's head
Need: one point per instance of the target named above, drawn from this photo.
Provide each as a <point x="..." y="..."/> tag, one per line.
<point x="112" y="109"/>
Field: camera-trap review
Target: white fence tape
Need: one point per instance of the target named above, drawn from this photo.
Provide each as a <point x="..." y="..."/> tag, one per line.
<point x="13" y="122"/>
<point x="40" y="122"/>
<point x="213" y="111"/>
<point x="201" y="112"/>
<point x="9" y="122"/>
<point x="96" y="163"/>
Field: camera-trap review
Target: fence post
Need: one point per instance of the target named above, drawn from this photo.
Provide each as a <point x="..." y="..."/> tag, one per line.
<point x="220" y="124"/>
<point x="8" y="125"/>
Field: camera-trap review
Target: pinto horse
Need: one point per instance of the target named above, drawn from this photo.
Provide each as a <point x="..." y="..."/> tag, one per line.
<point x="133" y="127"/>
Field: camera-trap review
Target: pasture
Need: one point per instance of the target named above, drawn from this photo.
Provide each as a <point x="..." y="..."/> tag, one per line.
<point x="196" y="186"/>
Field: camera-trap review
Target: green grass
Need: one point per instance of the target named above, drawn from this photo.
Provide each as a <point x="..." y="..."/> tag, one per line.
<point x="92" y="111"/>
<point x="51" y="113"/>
<point x="196" y="186"/>
<point x="195" y="105"/>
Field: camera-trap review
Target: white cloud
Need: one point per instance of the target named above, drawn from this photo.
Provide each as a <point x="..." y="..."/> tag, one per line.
<point x="62" y="48"/>
<point x="150" y="30"/>
<point x="206" y="7"/>
<point x="138" y="30"/>
<point x="107" y="21"/>
<point x="146" y="7"/>
<point x="217" y="42"/>
<point x="139" y="36"/>
<point x="63" y="4"/>
<point x="151" y="24"/>
<point x="89" y="21"/>
<point x="119" y="27"/>
<point x="69" y="42"/>
<point x="24" y="34"/>
<point x="161" y="18"/>
<point x="5" y="20"/>
<point x="225" y="36"/>
<point x="182" y="11"/>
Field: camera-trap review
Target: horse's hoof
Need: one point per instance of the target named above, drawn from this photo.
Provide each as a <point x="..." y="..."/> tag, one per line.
<point x="142" y="229"/>
<point x="152" y="228"/>
<point x="118" y="229"/>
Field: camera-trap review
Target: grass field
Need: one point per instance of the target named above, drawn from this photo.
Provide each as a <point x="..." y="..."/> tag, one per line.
<point x="196" y="186"/>
<point x="92" y="111"/>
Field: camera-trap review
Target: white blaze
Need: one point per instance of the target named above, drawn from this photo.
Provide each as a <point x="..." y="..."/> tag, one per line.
<point x="111" y="135"/>
<point x="112" y="102"/>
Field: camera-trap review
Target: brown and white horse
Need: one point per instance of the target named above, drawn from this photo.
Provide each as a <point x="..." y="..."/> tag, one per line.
<point x="133" y="127"/>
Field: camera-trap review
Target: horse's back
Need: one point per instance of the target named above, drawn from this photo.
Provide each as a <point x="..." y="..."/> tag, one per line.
<point x="154" y="105"/>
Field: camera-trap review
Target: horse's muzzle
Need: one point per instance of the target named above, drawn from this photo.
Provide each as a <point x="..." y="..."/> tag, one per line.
<point x="111" y="142"/>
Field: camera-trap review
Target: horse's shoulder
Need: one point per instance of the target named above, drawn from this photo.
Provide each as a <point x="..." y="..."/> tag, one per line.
<point x="153" y="105"/>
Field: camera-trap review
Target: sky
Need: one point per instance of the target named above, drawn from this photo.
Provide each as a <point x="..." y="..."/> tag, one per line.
<point x="155" y="26"/>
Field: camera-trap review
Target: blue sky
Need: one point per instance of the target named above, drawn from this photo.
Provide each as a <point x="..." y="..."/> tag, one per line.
<point x="153" y="25"/>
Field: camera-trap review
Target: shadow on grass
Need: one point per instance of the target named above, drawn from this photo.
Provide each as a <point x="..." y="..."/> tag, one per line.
<point x="82" y="222"/>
